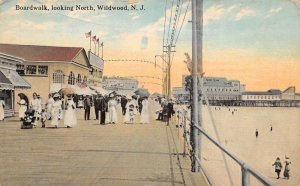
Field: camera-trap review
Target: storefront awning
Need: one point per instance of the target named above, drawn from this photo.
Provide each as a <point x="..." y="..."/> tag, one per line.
<point x="5" y="84"/>
<point x="17" y="81"/>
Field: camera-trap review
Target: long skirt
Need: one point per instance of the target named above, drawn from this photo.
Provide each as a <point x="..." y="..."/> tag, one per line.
<point x="70" y="118"/>
<point x="55" y="113"/>
<point x="1" y="113"/>
<point x="22" y="111"/>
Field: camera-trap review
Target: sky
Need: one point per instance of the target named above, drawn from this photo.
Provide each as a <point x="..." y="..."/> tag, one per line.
<point x="254" y="41"/>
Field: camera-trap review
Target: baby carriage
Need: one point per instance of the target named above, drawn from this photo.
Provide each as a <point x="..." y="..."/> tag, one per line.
<point x="28" y="119"/>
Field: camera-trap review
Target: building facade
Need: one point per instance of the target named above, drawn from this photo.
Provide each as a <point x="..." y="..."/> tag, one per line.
<point x="49" y="68"/>
<point x="96" y="70"/>
<point x="218" y="88"/>
<point x="10" y="82"/>
<point x="120" y="84"/>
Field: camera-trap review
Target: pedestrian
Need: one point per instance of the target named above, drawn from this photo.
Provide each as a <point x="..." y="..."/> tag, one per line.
<point x="170" y="111"/>
<point x="131" y="111"/>
<point x="96" y="106"/>
<point x="145" y="118"/>
<point x="49" y="106"/>
<point x="70" y="119"/>
<point x="123" y="104"/>
<point x="80" y="103"/>
<point x="44" y="117"/>
<point x="286" y="172"/>
<point x="62" y="108"/>
<point x="232" y="112"/>
<point x="56" y="108"/>
<point x="140" y="105"/>
<point x="2" y="106"/>
<point x="278" y="167"/>
<point x="36" y="106"/>
<point x="87" y="107"/>
<point x="102" y="105"/>
<point x="23" y="105"/>
<point x="112" y="110"/>
<point x="256" y="133"/>
<point x="271" y="128"/>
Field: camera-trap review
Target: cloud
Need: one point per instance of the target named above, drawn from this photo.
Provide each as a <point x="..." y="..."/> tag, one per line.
<point x="297" y="3"/>
<point x="22" y="25"/>
<point x="243" y="13"/>
<point x="215" y="13"/>
<point x="274" y="11"/>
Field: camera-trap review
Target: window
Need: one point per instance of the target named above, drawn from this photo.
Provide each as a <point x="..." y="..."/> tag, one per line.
<point x="79" y="78"/>
<point x="71" y="79"/>
<point x="21" y="69"/>
<point x="42" y="70"/>
<point x="31" y="69"/>
<point x="58" y="77"/>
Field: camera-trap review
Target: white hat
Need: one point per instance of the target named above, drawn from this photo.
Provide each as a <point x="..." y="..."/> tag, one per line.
<point x="56" y="95"/>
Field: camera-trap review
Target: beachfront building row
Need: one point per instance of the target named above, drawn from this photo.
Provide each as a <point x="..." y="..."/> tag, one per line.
<point x="49" y="68"/>
<point x="219" y="90"/>
<point x="214" y="88"/>
<point x="121" y="85"/>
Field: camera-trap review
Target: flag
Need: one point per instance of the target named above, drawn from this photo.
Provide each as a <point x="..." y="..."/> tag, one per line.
<point x="97" y="40"/>
<point x="88" y="34"/>
<point x="102" y="44"/>
<point x="94" y="38"/>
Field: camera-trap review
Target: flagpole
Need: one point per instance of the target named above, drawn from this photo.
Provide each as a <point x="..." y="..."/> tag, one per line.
<point x="102" y="49"/>
<point x="91" y="41"/>
<point x="98" y="48"/>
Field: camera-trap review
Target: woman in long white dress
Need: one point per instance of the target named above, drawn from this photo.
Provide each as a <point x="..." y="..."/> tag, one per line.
<point x="22" y="109"/>
<point x="112" y="111"/>
<point x="2" y="105"/>
<point x="70" y="119"/>
<point x="49" y="106"/>
<point x="145" y="118"/>
<point x="56" y="107"/>
<point x="129" y="115"/>
<point x="36" y="106"/>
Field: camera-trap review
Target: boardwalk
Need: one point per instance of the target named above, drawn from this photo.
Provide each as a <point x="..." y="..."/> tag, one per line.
<point x="91" y="154"/>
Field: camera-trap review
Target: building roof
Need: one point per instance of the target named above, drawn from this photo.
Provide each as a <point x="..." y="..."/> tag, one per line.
<point x="40" y="53"/>
<point x="269" y="92"/>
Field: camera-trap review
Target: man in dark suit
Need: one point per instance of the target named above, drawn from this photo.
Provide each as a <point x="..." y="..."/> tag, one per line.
<point x="96" y="106"/>
<point x="123" y="104"/>
<point x="102" y="106"/>
<point x="87" y="107"/>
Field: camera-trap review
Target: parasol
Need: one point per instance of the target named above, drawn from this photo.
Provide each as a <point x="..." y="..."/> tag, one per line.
<point x="67" y="90"/>
<point x="142" y="92"/>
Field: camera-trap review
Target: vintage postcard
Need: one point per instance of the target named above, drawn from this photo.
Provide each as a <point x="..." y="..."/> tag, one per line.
<point x="150" y="92"/>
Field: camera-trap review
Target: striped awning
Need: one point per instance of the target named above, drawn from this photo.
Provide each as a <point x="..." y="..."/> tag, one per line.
<point x="5" y="84"/>
<point x="17" y="81"/>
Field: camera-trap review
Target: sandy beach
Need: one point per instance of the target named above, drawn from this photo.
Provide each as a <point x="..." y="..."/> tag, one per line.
<point x="237" y="132"/>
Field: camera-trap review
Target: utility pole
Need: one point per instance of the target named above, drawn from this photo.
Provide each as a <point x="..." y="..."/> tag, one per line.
<point x="169" y="51"/>
<point x="197" y="19"/>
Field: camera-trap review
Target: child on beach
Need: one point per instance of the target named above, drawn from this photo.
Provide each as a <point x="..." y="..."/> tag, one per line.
<point x="44" y="117"/>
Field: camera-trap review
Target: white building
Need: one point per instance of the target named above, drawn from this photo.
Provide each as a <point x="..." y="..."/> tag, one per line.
<point x="219" y="88"/>
<point x="269" y="95"/>
<point x="10" y="80"/>
<point x="120" y="84"/>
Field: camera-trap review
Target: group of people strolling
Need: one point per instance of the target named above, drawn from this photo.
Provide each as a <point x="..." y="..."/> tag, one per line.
<point x="106" y="108"/>
<point x="52" y="110"/>
<point x="56" y="108"/>
<point x="278" y="167"/>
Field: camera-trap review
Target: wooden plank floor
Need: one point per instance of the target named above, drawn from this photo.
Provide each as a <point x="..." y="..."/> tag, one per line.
<point x="92" y="154"/>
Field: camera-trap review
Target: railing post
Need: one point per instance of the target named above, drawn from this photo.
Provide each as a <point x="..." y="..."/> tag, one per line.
<point x="184" y="132"/>
<point x="245" y="176"/>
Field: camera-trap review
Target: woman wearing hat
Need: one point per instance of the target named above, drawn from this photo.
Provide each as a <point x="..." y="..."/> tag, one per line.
<point x="286" y="172"/>
<point x="70" y="119"/>
<point x="112" y="110"/>
<point x="56" y="107"/>
<point x="2" y="105"/>
<point x="36" y="106"/>
<point x="278" y="167"/>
